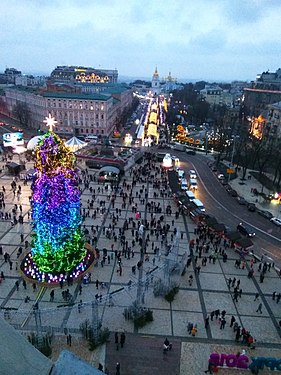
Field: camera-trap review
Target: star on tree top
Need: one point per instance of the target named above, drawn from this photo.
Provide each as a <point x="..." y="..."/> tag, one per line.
<point x="50" y="122"/>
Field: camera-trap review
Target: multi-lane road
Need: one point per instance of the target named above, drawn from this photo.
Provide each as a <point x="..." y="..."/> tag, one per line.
<point x="227" y="210"/>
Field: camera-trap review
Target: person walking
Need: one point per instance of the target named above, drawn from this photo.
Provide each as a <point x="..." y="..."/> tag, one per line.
<point x="117" y="340"/>
<point x="207" y="321"/>
<point x="223" y="321"/>
<point x="122" y="339"/>
<point x="256" y="296"/>
<point x="118" y="368"/>
<point x="232" y="321"/>
<point x="210" y="368"/>
<point x="194" y="330"/>
<point x="259" y="308"/>
<point x="68" y="339"/>
<point x="52" y="295"/>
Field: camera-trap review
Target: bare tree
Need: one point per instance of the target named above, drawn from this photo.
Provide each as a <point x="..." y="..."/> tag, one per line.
<point x="22" y="112"/>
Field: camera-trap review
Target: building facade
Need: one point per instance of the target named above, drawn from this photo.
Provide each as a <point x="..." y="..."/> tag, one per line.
<point x="256" y="100"/>
<point x="215" y="95"/>
<point x="273" y="123"/>
<point x="84" y="74"/>
<point x="77" y="112"/>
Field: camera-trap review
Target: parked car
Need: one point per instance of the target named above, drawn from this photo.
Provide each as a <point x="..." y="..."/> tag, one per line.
<point x="276" y="221"/>
<point x="223" y="182"/>
<point x="245" y="230"/>
<point x="251" y="207"/>
<point x="232" y="192"/>
<point x="221" y="176"/>
<point x="242" y="201"/>
<point x="228" y="188"/>
<point x="266" y="214"/>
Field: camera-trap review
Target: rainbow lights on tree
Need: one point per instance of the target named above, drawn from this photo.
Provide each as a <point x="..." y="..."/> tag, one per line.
<point x="58" y="244"/>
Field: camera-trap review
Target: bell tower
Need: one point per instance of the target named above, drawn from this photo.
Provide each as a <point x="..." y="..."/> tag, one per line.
<point x="155" y="82"/>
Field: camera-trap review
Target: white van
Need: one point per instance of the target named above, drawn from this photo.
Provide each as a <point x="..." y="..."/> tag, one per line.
<point x="193" y="184"/>
<point x="199" y="205"/>
<point x="190" y="195"/>
<point x="184" y="184"/>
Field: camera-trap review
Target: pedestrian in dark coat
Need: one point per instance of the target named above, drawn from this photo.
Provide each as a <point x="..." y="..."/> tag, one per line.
<point x="122" y="339"/>
<point x="232" y="320"/>
<point x="117" y="368"/>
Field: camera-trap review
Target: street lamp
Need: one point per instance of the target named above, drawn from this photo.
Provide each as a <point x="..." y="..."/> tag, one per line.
<point x="232" y="154"/>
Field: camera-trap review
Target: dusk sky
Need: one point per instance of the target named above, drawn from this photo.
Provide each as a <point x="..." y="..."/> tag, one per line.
<point x="201" y="39"/>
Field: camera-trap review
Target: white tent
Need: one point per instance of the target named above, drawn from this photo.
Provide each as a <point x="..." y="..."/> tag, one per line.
<point x="34" y="142"/>
<point x="75" y="143"/>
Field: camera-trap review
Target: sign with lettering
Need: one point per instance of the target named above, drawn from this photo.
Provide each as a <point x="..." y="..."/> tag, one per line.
<point x="242" y="361"/>
<point x="230" y="170"/>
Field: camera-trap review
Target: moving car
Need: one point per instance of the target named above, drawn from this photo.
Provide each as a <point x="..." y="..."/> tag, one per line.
<point x="276" y="221"/>
<point x="245" y="230"/>
<point x="193" y="184"/>
<point x="192" y="174"/>
<point x="184" y="184"/>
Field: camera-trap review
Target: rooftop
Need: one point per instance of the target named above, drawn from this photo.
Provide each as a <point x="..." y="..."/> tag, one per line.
<point x="76" y="95"/>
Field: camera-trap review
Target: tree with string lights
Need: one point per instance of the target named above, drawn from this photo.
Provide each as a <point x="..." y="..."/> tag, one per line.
<point x="58" y="244"/>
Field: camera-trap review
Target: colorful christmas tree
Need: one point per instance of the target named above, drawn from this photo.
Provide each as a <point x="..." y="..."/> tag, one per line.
<point x="58" y="244"/>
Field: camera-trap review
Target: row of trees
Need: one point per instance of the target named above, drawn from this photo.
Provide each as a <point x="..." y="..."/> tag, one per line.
<point x="22" y="113"/>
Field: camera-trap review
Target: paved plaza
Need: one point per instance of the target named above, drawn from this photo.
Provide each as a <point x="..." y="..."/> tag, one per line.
<point x="117" y="290"/>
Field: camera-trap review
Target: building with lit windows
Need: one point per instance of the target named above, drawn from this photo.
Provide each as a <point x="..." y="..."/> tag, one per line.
<point x="84" y="74"/>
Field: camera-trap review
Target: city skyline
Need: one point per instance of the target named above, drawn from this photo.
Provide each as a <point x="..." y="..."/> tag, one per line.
<point x="212" y="40"/>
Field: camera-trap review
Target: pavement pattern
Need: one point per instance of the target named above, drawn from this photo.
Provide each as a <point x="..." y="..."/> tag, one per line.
<point x="143" y="350"/>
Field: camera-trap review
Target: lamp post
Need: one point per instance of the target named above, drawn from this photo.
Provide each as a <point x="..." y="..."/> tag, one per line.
<point x="232" y="155"/>
<point x="206" y="142"/>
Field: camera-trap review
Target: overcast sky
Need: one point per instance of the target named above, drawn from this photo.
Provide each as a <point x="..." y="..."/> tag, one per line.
<point x="198" y="39"/>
